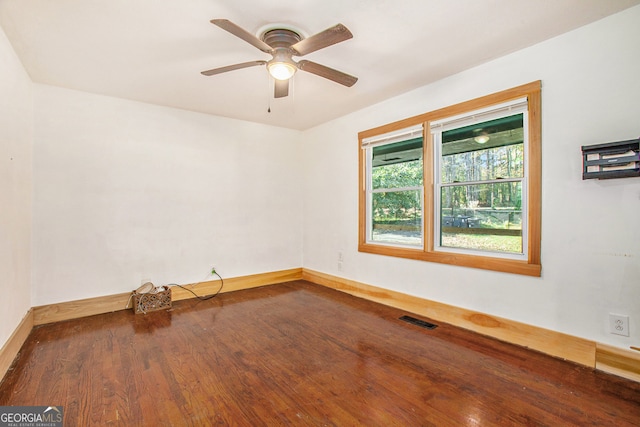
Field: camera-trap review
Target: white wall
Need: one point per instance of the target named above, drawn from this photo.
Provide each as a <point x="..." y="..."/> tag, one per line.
<point x="590" y="267"/>
<point x="16" y="127"/>
<point x="126" y="191"/>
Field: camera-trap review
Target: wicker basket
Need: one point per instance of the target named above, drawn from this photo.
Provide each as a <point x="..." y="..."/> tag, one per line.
<point x="158" y="299"/>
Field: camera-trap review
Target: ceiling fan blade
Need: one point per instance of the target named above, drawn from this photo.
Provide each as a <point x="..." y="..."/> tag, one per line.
<point x="237" y="31"/>
<point x="328" y="37"/>
<point x="281" y="88"/>
<point x="232" y="67"/>
<point x="327" y="73"/>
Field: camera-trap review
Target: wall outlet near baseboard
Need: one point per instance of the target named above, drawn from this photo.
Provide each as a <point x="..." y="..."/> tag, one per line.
<point x="619" y="324"/>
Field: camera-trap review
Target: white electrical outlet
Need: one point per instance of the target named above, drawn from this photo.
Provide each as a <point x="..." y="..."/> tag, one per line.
<point x="619" y="324"/>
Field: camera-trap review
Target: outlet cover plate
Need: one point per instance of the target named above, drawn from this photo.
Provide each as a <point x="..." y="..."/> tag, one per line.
<point x="619" y="324"/>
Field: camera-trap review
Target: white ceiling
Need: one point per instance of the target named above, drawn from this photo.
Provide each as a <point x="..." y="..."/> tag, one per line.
<point x="153" y="51"/>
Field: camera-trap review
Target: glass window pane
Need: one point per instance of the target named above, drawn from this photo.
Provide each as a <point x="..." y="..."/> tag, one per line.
<point x="397" y="165"/>
<point x="397" y="217"/>
<point x="485" y="151"/>
<point x="484" y="217"/>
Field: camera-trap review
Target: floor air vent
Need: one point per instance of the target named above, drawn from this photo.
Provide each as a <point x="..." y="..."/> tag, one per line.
<point x="418" y="322"/>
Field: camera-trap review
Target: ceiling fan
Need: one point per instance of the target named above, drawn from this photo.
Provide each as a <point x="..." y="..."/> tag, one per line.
<point x="283" y="44"/>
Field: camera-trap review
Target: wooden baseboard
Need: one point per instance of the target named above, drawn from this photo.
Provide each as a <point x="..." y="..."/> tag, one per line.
<point x="88" y="307"/>
<point x="618" y="361"/>
<point x="557" y="344"/>
<point x="12" y="347"/>
<point x="238" y="283"/>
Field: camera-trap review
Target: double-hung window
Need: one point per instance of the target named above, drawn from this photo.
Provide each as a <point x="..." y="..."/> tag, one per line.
<point x="480" y="181"/>
<point x="459" y="185"/>
<point x="394" y="188"/>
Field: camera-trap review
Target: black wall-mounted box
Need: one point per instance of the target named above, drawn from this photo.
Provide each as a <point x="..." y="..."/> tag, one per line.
<point x="611" y="160"/>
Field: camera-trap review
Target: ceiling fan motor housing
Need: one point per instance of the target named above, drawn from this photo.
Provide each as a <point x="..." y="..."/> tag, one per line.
<point x="281" y="38"/>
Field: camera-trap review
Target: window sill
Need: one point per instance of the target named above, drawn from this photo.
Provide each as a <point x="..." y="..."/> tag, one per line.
<point x="463" y="260"/>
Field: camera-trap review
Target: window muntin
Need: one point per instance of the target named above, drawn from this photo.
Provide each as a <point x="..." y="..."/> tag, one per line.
<point x="481" y="182"/>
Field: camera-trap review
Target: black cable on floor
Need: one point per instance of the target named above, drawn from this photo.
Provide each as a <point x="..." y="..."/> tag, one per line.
<point x="205" y="297"/>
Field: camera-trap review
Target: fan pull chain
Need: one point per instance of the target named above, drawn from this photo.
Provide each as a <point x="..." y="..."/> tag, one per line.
<point x="268" y="93"/>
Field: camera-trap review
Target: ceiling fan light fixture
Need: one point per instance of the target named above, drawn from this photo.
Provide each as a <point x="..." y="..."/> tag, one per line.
<point x="281" y="70"/>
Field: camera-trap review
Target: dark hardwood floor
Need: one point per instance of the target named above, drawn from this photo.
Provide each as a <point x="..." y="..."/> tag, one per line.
<point x="297" y="354"/>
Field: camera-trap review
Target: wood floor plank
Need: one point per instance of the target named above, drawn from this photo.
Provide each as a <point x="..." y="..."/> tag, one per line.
<point x="298" y="354"/>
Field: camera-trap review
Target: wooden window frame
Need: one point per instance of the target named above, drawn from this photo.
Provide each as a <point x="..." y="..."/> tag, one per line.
<point x="532" y="265"/>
